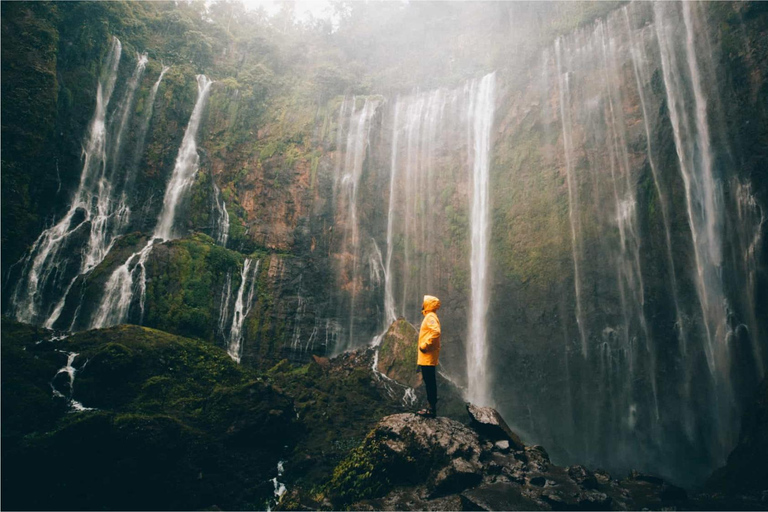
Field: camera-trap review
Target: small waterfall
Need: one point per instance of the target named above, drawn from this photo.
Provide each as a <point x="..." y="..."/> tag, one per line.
<point x="662" y="238"/>
<point x="389" y="299"/>
<point x="346" y="192"/>
<point x="120" y="289"/>
<point x="279" y="486"/>
<point x="301" y="310"/>
<point x="688" y="116"/>
<point x="130" y="277"/>
<point x="69" y="370"/>
<point x="411" y="204"/>
<point x="224" y="301"/>
<point x="242" y="308"/>
<point x="642" y="78"/>
<point x="751" y="221"/>
<point x="47" y="274"/>
<point x="573" y="201"/>
<point x="221" y="217"/>
<point x="111" y="214"/>
<point x="185" y="169"/>
<point x="376" y="264"/>
<point x="141" y="136"/>
<point x="481" y="116"/>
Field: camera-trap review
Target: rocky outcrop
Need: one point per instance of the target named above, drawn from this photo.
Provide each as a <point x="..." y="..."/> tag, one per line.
<point x="397" y="353"/>
<point x="127" y="408"/>
<point x="490" y="424"/>
<point x="410" y="463"/>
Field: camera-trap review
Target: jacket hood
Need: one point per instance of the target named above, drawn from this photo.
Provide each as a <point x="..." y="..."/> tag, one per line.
<point x="430" y="304"/>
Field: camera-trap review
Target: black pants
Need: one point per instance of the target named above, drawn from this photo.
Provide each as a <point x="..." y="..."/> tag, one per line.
<point x="430" y="382"/>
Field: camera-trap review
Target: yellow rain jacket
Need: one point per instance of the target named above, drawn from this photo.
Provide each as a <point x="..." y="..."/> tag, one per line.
<point x="429" y="335"/>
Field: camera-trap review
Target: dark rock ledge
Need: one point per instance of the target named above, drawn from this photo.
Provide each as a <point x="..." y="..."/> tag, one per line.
<point x="411" y="463"/>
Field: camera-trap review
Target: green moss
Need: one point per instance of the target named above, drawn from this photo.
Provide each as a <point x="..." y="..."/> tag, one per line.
<point x="361" y="475"/>
<point x="170" y="409"/>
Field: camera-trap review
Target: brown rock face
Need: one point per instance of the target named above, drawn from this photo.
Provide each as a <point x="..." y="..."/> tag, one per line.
<point x="397" y="354"/>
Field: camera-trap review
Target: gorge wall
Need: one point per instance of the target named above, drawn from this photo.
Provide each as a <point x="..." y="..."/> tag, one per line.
<point x="588" y="204"/>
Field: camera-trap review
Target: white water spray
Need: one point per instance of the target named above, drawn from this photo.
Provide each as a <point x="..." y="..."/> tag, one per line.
<point x="481" y="115"/>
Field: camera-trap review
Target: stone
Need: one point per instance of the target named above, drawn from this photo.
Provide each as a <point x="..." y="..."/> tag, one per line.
<point x="583" y="477"/>
<point x="489" y="423"/>
<point x="398" y="352"/>
<point x="455" y="477"/>
<point x="502" y="446"/>
<point x="497" y="496"/>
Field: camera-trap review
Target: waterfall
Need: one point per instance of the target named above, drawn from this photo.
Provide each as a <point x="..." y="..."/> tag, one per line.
<point x="221" y="216"/>
<point x="130" y="277"/>
<point x="186" y="166"/>
<point x="242" y="308"/>
<point x="69" y="370"/>
<point x="481" y="116"/>
<point x="389" y="299"/>
<point x="224" y="301"/>
<point x="48" y="272"/>
<point x="301" y="309"/>
<point x="142" y="135"/>
<point x="573" y="212"/>
<point x="662" y="246"/>
<point x="119" y="291"/>
<point x="703" y="197"/>
<point x="346" y="194"/>
<point x="642" y="79"/>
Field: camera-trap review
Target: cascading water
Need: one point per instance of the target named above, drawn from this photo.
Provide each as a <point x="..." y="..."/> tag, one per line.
<point x="243" y="305"/>
<point x="649" y="364"/>
<point x="224" y="305"/>
<point x="389" y="299"/>
<point x="185" y="169"/>
<point x="69" y="371"/>
<point x="221" y="217"/>
<point x="573" y="202"/>
<point x="481" y="115"/>
<point x="346" y="194"/>
<point x="49" y="268"/>
<point x="138" y="152"/>
<point x="130" y="277"/>
<point x="427" y="130"/>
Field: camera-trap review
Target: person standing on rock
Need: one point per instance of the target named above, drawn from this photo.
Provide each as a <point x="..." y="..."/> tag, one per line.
<point x="429" y="350"/>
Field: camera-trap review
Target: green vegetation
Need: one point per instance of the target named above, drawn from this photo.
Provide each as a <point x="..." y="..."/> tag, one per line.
<point x="361" y="475"/>
<point x="174" y="417"/>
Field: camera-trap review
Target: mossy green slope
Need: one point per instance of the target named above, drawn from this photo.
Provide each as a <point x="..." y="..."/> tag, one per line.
<point x="176" y="424"/>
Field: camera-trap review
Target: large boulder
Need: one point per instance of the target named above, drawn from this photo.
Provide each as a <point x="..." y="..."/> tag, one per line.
<point x="398" y="353"/>
<point x="406" y="449"/>
<point x="411" y="463"/>
<point x="488" y="422"/>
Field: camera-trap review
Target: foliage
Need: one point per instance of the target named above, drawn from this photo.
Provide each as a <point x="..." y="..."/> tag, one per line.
<point x="361" y="475"/>
<point x="174" y="417"/>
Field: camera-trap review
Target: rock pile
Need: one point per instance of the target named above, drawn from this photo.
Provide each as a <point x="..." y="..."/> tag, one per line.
<point x="411" y="463"/>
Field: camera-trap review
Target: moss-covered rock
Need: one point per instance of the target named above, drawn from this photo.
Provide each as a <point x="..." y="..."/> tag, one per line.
<point x="172" y="416"/>
<point x="398" y="352"/>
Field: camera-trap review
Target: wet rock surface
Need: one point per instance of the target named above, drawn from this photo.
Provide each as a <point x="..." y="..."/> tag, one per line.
<point x="489" y="423"/>
<point x="411" y="463"/>
<point x="397" y="353"/>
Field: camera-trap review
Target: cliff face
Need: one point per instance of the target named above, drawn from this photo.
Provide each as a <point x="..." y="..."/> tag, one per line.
<point x="626" y="236"/>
